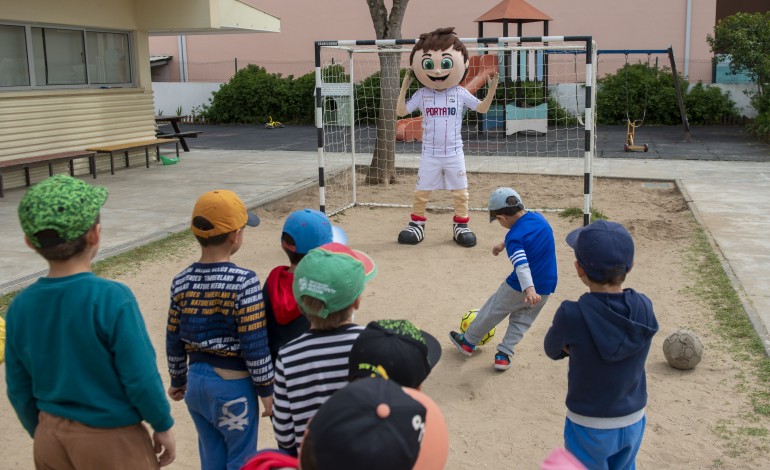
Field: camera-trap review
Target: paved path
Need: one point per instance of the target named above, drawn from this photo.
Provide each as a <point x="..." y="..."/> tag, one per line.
<point x="731" y="198"/>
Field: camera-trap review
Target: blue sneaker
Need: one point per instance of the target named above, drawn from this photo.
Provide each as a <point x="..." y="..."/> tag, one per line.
<point x="458" y="339"/>
<point x="502" y="361"/>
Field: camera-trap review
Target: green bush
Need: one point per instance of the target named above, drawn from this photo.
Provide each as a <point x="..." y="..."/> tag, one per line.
<point x="625" y="94"/>
<point x="253" y="94"/>
<point x="707" y="105"/>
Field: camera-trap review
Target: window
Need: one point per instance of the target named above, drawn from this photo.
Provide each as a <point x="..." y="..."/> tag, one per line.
<point x="63" y="57"/>
<point x="13" y="56"/>
<point x="59" y="56"/>
<point x="108" y="58"/>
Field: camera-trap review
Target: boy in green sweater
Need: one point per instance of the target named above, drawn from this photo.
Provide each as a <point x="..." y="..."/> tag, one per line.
<point x="80" y="367"/>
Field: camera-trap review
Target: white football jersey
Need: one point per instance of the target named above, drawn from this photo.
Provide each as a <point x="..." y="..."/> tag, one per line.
<point x="442" y="118"/>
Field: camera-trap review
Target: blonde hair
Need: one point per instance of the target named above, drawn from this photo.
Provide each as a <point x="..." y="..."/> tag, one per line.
<point x="310" y="308"/>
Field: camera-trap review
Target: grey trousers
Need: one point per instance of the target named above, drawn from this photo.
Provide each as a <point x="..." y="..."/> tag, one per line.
<point x="505" y="302"/>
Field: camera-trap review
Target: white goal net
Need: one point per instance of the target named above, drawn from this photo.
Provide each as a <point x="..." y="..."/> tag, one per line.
<point x="541" y="120"/>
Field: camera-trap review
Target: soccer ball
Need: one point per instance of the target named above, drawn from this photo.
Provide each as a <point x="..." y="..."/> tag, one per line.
<point x="466" y="322"/>
<point x="683" y="349"/>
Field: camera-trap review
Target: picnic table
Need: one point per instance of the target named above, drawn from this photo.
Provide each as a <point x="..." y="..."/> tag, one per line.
<point x="177" y="134"/>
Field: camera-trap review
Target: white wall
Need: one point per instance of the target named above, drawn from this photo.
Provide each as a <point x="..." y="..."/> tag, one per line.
<point x="169" y="96"/>
<point x="741" y="100"/>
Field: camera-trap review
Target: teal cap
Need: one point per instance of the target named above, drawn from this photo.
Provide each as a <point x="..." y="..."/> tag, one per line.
<point x="67" y="205"/>
<point x="333" y="274"/>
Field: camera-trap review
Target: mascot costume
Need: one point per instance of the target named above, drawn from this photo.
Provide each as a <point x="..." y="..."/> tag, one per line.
<point x="439" y="62"/>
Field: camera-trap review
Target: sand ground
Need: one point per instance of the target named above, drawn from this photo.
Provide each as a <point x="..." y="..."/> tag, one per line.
<point x="510" y="419"/>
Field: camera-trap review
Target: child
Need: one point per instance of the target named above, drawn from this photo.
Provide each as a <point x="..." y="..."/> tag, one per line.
<point x="328" y="284"/>
<point x="80" y="367"/>
<point x="439" y="61"/>
<point x="395" y="350"/>
<point x="303" y="230"/>
<point x="216" y="320"/>
<point x="606" y="334"/>
<point x="531" y="249"/>
<point x="375" y="424"/>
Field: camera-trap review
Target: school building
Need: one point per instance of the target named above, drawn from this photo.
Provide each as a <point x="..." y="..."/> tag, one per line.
<point x="76" y="73"/>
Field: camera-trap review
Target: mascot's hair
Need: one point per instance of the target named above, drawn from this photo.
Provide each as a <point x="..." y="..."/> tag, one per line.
<point x="439" y="40"/>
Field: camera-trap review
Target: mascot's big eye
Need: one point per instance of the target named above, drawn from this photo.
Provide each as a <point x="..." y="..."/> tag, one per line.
<point x="447" y="63"/>
<point x="427" y="64"/>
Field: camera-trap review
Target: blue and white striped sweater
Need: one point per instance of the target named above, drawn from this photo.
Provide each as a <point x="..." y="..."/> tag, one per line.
<point x="531" y="249"/>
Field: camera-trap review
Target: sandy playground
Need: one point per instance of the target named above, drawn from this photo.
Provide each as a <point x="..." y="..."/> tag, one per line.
<point x="511" y="419"/>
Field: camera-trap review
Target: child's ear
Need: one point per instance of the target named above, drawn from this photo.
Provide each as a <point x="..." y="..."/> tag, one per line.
<point x="233" y="237"/>
<point x="357" y="303"/>
<point x="580" y="271"/>
<point x="94" y="235"/>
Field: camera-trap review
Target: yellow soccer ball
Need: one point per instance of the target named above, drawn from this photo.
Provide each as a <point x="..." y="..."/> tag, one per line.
<point x="466" y="322"/>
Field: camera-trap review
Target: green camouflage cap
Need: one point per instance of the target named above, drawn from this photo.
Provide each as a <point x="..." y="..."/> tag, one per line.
<point x="61" y="203"/>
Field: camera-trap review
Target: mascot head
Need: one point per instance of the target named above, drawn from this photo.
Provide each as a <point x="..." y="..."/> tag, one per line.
<point x="439" y="60"/>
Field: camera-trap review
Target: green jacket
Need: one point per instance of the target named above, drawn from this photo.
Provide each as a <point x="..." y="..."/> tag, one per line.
<point x="78" y="348"/>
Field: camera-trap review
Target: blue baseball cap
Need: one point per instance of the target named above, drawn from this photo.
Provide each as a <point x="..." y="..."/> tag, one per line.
<point x="309" y="229"/>
<point x="603" y="249"/>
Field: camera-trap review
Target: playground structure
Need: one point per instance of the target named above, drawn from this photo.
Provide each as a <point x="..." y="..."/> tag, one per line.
<point x="632" y="124"/>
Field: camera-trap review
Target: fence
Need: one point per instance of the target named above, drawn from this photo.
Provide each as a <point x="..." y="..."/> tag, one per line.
<point x="223" y="71"/>
<point x="699" y="70"/>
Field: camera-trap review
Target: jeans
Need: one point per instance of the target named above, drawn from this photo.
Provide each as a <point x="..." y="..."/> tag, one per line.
<point x="225" y="416"/>
<point x="505" y="302"/>
<point x="605" y="449"/>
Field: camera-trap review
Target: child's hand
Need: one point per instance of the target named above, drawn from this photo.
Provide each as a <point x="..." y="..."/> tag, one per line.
<point x="177" y="393"/>
<point x="498" y="248"/>
<point x="531" y="297"/>
<point x="165" y="445"/>
<point x="267" y="402"/>
<point x="566" y="350"/>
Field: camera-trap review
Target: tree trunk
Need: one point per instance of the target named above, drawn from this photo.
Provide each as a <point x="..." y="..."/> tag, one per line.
<point x="382" y="169"/>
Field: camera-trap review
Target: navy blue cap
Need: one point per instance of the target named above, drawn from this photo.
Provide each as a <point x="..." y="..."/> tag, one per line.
<point x="603" y="249"/>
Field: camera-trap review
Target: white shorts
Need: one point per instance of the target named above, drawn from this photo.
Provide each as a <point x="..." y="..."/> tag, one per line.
<point x="442" y="173"/>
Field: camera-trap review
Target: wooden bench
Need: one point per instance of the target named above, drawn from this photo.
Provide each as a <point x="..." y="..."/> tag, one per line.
<point x="128" y="146"/>
<point x="49" y="159"/>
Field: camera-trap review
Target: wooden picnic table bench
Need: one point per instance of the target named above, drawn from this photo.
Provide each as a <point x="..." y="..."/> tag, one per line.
<point x="48" y="159"/>
<point x="127" y="146"/>
<point x="174" y="121"/>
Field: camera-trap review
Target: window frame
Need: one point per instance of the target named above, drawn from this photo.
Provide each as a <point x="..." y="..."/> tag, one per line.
<point x="83" y="33"/>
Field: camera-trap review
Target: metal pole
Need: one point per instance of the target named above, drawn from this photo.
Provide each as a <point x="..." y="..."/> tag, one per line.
<point x="679" y="99"/>
<point x="319" y="128"/>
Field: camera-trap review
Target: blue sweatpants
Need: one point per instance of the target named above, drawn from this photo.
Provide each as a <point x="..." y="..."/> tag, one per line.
<point x="605" y="449"/>
<point x="225" y="416"/>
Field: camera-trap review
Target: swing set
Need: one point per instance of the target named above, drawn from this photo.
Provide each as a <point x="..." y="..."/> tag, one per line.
<point x="632" y="124"/>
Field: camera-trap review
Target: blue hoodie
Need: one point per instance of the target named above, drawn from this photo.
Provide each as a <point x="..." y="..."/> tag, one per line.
<point x="608" y="336"/>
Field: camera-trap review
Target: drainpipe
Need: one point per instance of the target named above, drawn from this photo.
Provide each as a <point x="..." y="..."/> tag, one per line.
<point x="182" y="47"/>
<point x="687" y="41"/>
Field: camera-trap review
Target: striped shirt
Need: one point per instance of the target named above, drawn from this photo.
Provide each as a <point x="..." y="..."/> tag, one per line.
<point x="532" y="251"/>
<point x="442" y="118"/>
<point x="308" y="371"/>
<point x="217" y="316"/>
